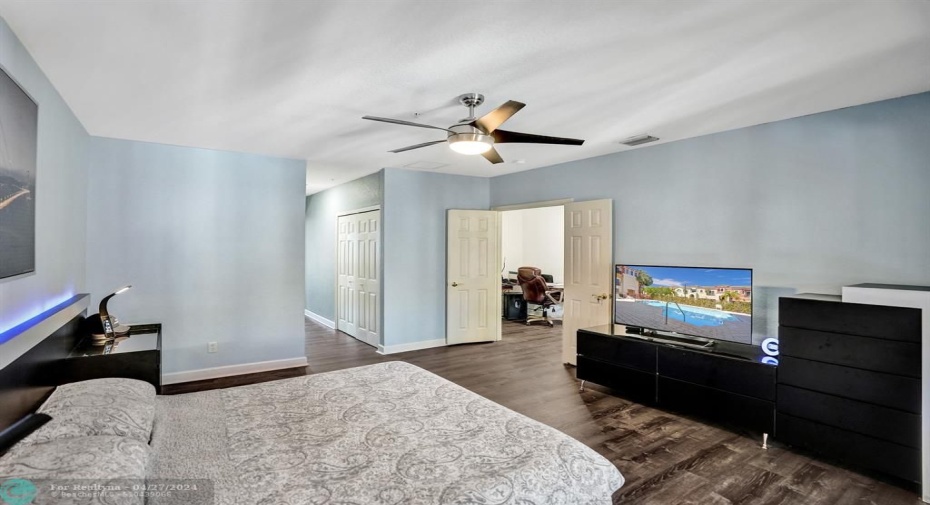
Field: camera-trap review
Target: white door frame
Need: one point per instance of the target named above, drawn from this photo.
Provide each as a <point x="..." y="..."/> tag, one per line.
<point x="343" y="213"/>
<point x="540" y="204"/>
<point x="534" y="205"/>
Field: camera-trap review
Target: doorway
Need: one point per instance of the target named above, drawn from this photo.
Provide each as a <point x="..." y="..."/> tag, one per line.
<point x="587" y="240"/>
<point x="358" y="272"/>
<point x="532" y="237"/>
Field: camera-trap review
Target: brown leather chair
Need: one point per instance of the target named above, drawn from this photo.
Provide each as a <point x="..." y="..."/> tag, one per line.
<point x="535" y="292"/>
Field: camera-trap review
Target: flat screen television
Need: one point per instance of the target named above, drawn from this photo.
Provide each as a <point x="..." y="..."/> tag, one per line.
<point x="707" y="303"/>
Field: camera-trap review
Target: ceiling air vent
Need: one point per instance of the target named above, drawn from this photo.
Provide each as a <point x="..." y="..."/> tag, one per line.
<point x="425" y="165"/>
<point x="638" y="140"/>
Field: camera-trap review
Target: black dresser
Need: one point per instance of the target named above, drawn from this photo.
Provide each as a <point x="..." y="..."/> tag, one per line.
<point x="849" y="382"/>
<point x="729" y="384"/>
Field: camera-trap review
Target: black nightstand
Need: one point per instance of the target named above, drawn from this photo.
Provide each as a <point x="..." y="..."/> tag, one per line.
<point x="136" y="357"/>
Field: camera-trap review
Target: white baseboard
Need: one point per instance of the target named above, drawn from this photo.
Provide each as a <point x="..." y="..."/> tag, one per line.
<point x="320" y="319"/>
<point x="226" y="371"/>
<point x="413" y="346"/>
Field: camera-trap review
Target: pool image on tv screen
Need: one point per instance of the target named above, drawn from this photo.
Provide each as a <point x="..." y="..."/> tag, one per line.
<point x="712" y="303"/>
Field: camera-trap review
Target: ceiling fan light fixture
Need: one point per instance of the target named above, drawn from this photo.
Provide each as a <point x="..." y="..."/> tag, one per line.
<point x="471" y="143"/>
<point x="478" y="135"/>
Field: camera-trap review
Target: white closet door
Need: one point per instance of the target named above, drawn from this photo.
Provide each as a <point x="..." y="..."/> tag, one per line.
<point x="368" y="277"/>
<point x="346" y="299"/>
<point x="358" y="268"/>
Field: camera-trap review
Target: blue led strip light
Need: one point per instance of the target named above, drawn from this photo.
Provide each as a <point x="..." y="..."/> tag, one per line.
<point x="21" y="328"/>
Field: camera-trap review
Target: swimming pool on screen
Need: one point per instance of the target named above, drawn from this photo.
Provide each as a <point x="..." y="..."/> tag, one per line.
<point x="697" y="316"/>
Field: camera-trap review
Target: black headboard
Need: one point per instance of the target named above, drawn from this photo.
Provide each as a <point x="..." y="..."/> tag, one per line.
<point x="28" y="380"/>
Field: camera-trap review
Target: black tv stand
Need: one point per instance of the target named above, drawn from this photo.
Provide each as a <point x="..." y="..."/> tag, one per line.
<point x="725" y="382"/>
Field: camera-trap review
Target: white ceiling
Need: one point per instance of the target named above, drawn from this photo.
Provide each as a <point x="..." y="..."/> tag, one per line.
<point x="293" y="78"/>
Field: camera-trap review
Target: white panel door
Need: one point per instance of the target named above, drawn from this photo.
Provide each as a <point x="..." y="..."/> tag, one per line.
<point x="358" y="267"/>
<point x="473" y="280"/>
<point x="346" y="297"/>
<point x="588" y="258"/>
<point x="368" y="277"/>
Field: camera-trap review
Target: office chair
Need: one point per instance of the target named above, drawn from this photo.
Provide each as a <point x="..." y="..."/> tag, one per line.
<point x="535" y="292"/>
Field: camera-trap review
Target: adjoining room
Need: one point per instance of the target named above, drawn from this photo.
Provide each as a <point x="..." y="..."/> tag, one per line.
<point x="533" y="239"/>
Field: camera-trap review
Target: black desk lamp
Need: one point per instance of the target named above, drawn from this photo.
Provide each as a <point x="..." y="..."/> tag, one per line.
<point x="105" y="320"/>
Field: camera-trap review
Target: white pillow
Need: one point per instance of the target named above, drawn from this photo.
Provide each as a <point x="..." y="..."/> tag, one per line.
<point x="121" y="407"/>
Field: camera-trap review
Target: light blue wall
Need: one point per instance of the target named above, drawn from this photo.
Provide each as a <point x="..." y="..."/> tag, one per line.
<point x="811" y="204"/>
<point x="414" y="222"/>
<point x="321" y="212"/>
<point x="61" y="195"/>
<point x="212" y="243"/>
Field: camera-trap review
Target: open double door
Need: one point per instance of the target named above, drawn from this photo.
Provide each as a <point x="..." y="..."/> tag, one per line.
<point x="473" y="276"/>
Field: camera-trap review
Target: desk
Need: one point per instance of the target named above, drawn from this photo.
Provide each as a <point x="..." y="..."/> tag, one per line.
<point x="514" y="307"/>
<point x="556" y="291"/>
<point x="137" y="356"/>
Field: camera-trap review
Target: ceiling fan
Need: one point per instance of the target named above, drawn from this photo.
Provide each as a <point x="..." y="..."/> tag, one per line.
<point x="478" y="135"/>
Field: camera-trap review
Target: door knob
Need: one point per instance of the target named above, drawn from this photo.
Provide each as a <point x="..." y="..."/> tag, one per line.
<point x="455" y="284"/>
<point x="601" y="296"/>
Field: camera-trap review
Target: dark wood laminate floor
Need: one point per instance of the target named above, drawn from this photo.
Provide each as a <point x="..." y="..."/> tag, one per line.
<point x="665" y="458"/>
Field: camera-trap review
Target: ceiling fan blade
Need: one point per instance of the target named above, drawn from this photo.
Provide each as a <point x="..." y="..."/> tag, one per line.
<point x="490" y="121"/>
<point x="405" y="123"/>
<point x="504" y="137"/>
<point x="409" y="148"/>
<point x="493" y="156"/>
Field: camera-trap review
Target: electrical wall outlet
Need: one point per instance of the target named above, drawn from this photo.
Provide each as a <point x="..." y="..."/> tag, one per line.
<point x="211" y="347"/>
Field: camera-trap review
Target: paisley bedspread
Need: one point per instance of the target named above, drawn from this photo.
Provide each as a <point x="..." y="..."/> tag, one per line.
<point x="389" y="434"/>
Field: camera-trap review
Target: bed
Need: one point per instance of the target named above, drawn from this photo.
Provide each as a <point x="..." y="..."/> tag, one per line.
<point x="390" y="433"/>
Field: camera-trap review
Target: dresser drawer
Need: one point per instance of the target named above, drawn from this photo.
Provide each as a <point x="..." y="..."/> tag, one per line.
<point x="618" y="351"/>
<point x="880" y="422"/>
<point x="626" y="382"/>
<point x="880" y="355"/>
<point x="727" y="374"/>
<point x="872" y="453"/>
<point x="727" y="408"/>
<point x="894" y="391"/>
<point x="879" y="321"/>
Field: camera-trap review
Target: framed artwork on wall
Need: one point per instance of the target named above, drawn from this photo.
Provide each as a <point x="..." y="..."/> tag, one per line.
<point x="19" y="118"/>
